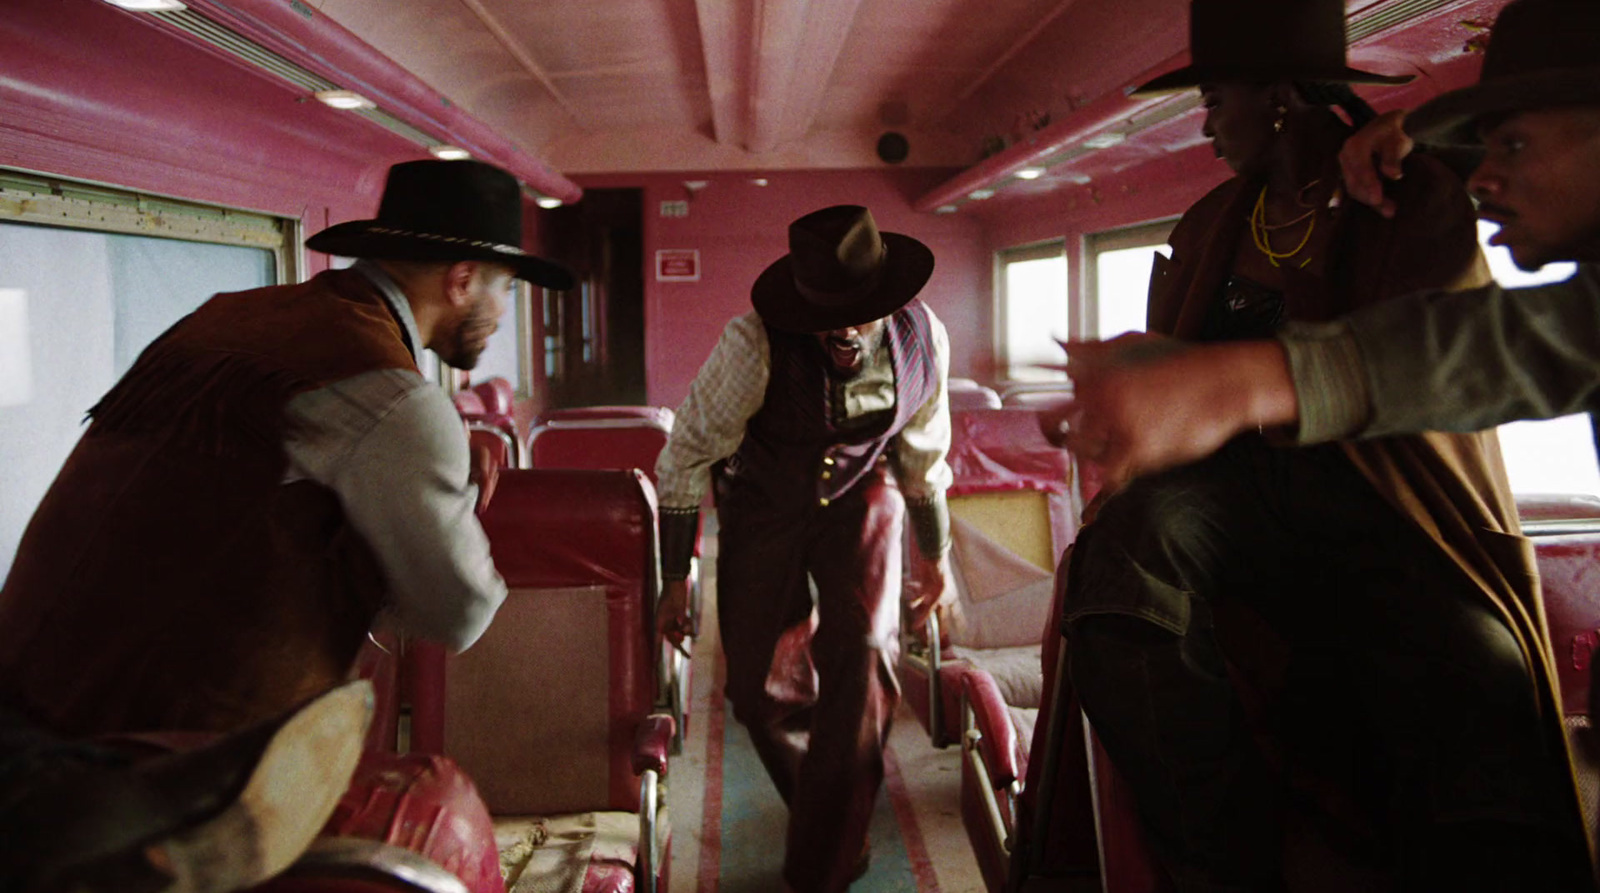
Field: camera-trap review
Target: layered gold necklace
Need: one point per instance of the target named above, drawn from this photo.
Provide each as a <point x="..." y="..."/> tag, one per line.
<point x="1261" y="231"/>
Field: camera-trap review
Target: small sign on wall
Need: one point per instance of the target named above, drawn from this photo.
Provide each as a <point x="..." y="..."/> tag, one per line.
<point x="678" y="265"/>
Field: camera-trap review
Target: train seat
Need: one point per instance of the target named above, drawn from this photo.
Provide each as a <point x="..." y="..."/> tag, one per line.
<point x="1012" y="513"/>
<point x="554" y="712"/>
<point x="1052" y="815"/>
<point x="968" y="394"/>
<point x="1034" y="394"/>
<point x="619" y="437"/>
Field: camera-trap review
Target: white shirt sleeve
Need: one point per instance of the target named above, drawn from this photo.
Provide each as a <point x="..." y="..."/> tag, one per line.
<point x="393" y="449"/>
<point x="710" y="424"/>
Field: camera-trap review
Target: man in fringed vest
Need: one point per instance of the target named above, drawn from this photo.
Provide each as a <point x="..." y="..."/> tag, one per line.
<point x="823" y="420"/>
<point x="272" y="473"/>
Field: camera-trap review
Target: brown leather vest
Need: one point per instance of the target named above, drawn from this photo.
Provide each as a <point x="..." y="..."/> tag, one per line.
<point x="170" y="579"/>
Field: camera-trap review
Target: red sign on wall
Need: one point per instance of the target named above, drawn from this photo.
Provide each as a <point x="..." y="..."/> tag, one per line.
<point x="678" y="265"/>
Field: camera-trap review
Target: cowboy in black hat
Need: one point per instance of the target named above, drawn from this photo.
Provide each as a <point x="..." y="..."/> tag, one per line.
<point x="1317" y="576"/>
<point x="798" y="417"/>
<point x="271" y="474"/>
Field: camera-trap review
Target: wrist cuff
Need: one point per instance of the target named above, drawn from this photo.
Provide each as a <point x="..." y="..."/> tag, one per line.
<point x="679" y="530"/>
<point x="930" y="524"/>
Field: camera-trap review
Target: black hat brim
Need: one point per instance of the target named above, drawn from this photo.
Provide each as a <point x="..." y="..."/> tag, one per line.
<point x="907" y="265"/>
<point x="1191" y="76"/>
<point x="1450" y="119"/>
<point x="367" y="239"/>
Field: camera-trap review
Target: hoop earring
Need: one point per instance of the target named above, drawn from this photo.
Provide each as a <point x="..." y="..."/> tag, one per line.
<point x="1278" y="123"/>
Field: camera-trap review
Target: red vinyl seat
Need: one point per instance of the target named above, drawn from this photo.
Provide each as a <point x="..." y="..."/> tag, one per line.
<point x="554" y="711"/>
<point x="619" y="437"/>
<point x="1013" y="512"/>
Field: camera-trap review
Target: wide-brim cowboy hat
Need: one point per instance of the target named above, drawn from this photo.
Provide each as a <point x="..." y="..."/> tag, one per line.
<point x="1264" y="41"/>
<point x="1542" y="54"/>
<point x="445" y="211"/>
<point x="840" y="271"/>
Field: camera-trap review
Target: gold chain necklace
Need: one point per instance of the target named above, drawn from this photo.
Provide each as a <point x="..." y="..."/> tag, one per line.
<point x="1261" y="231"/>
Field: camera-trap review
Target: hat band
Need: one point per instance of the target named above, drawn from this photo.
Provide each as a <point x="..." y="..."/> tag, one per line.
<point x="856" y="292"/>
<point x="449" y="240"/>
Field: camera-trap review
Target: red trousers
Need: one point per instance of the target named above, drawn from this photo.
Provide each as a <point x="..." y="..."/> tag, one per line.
<point x="819" y="716"/>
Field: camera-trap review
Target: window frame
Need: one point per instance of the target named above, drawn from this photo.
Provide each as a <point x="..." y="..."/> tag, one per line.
<point x="1032" y="251"/>
<point x="1155" y="233"/>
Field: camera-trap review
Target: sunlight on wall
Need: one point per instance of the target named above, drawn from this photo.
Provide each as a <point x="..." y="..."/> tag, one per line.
<point x="1554" y="456"/>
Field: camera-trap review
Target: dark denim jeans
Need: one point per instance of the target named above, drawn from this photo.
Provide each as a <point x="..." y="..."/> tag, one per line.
<point x="1399" y="702"/>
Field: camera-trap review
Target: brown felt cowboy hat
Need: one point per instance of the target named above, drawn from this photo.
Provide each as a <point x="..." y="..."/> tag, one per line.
<point x="840" y="271"/>
<point x="1264" y="41"/>
<point x="1542" y="54"/>
<point x="445" y="211"/>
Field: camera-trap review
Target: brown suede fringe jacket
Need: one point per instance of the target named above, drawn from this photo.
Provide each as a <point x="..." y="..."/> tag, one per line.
<point x="1453" y="486"/>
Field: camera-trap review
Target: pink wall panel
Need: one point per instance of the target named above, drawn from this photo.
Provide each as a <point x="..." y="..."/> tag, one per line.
<point x="739" y="228"/>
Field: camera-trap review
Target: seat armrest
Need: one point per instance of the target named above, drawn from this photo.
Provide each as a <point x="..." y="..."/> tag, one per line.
<point x="997" y="745"/>
<point x="652" y="743"/>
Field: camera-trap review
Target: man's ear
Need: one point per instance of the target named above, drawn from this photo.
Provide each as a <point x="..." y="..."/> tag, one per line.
<point x="458" y="282"/>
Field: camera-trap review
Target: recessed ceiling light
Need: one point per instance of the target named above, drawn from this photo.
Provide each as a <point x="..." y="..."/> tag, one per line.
<point x="149" y="5"/>
<point x="945" y="209"/>
<point x="758" y="181"/>
<point x="344" y="99"/>
<point x="979" y="195"/>
<point x="1105" y="140"/>
<point x="449" y="153"/>
<point x="1030" y="173"/>
<point x="545" y="201"/>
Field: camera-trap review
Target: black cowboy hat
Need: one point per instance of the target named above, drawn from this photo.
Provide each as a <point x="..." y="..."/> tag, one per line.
<point x="1542" y="54"/>
<point x="839" y="272"/>
<point x="445" y="211"/>
<point x="1264" y="41"/>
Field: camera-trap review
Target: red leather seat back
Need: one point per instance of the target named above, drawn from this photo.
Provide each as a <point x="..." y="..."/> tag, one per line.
<point x="498" y="396"/>
<point x="469" y="404"/>
<point x="378" y="662"/>
<point x="542" y="711"/>
<point x="590" y="439"/>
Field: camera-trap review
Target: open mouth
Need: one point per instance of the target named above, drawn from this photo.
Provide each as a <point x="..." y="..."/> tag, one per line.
<point x="844" y="352"/>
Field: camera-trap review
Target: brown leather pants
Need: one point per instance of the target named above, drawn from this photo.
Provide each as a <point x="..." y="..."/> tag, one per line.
<point x="819" y="717"/>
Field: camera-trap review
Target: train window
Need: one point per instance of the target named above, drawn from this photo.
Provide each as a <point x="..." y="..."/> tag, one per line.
<point x="1032" y="310"/>
<point x="1118" y="277"/>
<point x="1554" y="456"/>
<point x="88" y="277"/>
<point x="502" y="357"/>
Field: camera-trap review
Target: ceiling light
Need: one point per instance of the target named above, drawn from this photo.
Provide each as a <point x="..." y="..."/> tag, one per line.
<point x="1078" y="179"/>
<point x="449" y="153"/>
<point x="1105" y="140"/>
<point x="945" y="209"/>
<point x="1030" y="173"/>
<point x="545" y="201"/>
<point x="758" y="181"/>
<point x="979" y="195"/>
<point x="344" y="99"/>
<point x="149" y="5"/>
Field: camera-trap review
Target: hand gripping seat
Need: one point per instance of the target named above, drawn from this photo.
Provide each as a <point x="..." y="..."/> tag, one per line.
<point x="553" y="711"/>
<point x="1013" y="511"/>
